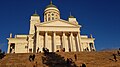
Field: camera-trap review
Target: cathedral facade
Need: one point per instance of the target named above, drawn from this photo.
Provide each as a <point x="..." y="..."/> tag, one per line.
<point x="54" y="34"/>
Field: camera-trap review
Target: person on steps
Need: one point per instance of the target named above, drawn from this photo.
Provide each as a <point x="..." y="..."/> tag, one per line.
<point x="75" y="56"/>
<point x="114" y="55"/>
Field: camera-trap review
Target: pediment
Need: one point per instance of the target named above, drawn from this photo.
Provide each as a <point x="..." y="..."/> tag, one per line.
<point x="58" y="23"/>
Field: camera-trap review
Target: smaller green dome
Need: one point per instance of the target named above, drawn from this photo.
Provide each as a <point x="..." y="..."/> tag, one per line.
<point x="35" y="14"/>
<point x="51" y="5"/>
<point x="71" y="17"/>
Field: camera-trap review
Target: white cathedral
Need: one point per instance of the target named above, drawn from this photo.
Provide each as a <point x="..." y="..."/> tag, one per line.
<point x="54" y="34"/>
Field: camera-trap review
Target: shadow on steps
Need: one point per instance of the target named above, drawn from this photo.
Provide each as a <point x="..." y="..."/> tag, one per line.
<point x="55" y="60"/>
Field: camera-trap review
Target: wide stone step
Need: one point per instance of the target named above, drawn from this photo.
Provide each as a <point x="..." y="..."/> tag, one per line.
<point x="59" y="59"/>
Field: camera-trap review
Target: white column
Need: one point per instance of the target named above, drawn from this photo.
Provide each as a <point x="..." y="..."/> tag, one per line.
<point x="81" y="49"/>
<point x="46" y="38"/>
<point x="54" y="41"/>
<point x="37" y="40"/>
<point x="15" y="49"/>
<point x="64" y="43"/>
<point x="8" y="51"/>
<point x="94" y="46"/>
<point x="78" y="44"/>
<point x="71" y="41"/>
<point x="41" y="44"/>
<point x="88" y="46"/>
<point x="63" y="40"/>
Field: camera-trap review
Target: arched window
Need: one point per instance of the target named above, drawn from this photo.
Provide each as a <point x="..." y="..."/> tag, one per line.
<point x="52" y="18"/>
<point x="49" y="19"/>
<point x="48" y="14"/>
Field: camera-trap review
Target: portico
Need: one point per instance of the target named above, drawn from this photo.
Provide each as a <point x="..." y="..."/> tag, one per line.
<point x="54" y="41"/>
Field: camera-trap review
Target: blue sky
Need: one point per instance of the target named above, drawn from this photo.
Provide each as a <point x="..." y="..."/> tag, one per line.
<point x="98" y="17"/>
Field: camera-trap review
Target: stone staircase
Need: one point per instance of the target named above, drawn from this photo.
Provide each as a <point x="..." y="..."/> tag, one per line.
<point x="20" y="60"/>
<point x="59" y="59"/>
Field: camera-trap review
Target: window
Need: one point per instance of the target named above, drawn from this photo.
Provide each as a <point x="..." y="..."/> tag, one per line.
<point x="48" y="14"/>
<point x="26" y="46"/>
<point x="52" y="18"/>
<point x="30" y="50"/>
<point x="52" y="14"/>
<point x="49" y="19"/>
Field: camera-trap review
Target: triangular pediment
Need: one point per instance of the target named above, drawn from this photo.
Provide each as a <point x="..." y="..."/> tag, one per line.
<point x="58" y="23"/>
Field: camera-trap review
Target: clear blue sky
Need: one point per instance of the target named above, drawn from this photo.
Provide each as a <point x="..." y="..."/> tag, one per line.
<point x="98" y="17"/>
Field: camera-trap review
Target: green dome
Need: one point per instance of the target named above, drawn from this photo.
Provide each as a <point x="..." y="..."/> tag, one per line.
<point x="71" y="17"/>
<point x="35" y="14"/>
<point x="51" y="5"/>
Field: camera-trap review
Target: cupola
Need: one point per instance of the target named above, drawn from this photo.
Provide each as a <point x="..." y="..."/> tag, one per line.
<point x="72" y="19"/>
<point x="51" y="12"/>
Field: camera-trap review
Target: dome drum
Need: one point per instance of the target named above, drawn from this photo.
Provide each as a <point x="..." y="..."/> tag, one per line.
<point x="51" y="13"/>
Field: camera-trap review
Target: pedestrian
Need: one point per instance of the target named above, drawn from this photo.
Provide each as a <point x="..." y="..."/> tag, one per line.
<point x="69" y="50"/>
<point x="83" y="65"/>
<point x="43" y="49"/>
<point x="30" y="58"/>
<point x="75" y="56"/>
<point x="115" y="57"/>
<point x="33" y="57"/>
<point x="68" y="62"/>
<point x="38" y="50"/>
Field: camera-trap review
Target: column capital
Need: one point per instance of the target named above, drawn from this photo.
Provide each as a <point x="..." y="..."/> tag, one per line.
<point x="45" y="31"/>
<point x="54" y="31"/>
<point x="63" y="33"/>
<point x="46" y="35"/>
<point x="54" y="42"/>
<point x="71" y="33"/>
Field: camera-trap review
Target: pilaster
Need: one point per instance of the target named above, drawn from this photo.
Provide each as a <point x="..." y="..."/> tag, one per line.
<point x="71" y="41"/>
<point x="46" y="38"/>
<point x="37" y="40"/>
<point x="88" y="46"/>
<point x="78" y="42"/>
<point x="8" y="51"/>
<point x="64" y="43"/>
<point x="54" y="42"/>
<point x="81" y="49"/>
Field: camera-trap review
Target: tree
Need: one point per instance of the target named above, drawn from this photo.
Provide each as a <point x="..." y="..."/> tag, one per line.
<point x="2" y="54"/>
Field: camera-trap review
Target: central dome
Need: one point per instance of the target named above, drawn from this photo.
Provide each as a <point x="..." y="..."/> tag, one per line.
<point x="51" y="13"/>
<point x="51" y="5"/>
